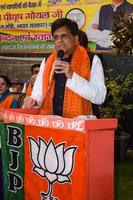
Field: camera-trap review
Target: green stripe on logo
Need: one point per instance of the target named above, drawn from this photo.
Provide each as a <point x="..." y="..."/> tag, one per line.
<point x="12" y="145"/>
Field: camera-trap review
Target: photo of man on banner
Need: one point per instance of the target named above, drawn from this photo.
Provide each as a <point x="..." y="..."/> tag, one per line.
<point x="101" y="25"/>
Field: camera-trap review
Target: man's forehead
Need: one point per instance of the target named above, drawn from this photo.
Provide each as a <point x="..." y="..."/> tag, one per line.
<point x="61" y="30"/>
<point x="36" y="68"/>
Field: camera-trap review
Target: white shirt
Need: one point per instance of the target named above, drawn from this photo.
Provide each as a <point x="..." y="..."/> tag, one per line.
<point x="93" y="90"/>
<point x="24" y="88"/>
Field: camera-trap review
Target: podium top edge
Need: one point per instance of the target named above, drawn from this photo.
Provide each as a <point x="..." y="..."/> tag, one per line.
<point x="51" y="121"/>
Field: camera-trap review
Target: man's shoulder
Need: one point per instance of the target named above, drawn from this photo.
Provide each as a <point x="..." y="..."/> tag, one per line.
<point x="91" y="57"/>
<point x="105" y="7"/>
<point x="128" y="5"/>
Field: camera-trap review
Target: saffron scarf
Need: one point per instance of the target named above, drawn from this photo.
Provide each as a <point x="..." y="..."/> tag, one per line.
<point x="29" y="90"/>
<point x="74" y="105"/>
<point x="6" y="103"/>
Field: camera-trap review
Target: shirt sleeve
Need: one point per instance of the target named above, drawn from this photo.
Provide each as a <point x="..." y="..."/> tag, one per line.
<point x="37" y="88"/>
<point x="93" y="90"/>
<point x="24" y="88"/>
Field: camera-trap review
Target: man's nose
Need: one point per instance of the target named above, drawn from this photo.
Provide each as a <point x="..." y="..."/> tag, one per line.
<point x="59" y="39"/>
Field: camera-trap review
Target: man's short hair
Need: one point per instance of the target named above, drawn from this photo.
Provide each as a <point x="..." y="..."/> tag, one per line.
<point x="68" y="23"/>
<point x="34" y="66"/>
<point x="83" y="40"/>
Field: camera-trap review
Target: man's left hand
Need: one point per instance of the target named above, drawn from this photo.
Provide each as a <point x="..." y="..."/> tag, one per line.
<point x="62" y="67"/>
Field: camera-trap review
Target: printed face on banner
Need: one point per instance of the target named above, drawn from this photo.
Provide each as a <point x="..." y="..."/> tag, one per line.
<point x="54" y="163"/>
<point x="27" y="25"/>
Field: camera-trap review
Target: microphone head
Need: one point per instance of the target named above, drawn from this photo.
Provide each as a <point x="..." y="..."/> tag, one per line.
<point x="60" y="54"/>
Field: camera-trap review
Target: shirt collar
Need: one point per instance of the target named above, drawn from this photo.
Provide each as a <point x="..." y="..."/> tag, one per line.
<point x="116" y="6"/>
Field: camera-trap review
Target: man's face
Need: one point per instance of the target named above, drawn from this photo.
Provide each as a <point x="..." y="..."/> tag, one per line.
<point x="118" y="1"/>
<point x="35" y="70"/>
<point x="64" y="40"/>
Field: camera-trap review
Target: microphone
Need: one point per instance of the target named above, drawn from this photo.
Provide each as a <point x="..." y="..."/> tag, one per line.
<point x="60" y="54"/>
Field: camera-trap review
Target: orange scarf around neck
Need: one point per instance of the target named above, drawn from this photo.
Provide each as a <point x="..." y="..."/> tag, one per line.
<point x="29" y="90"/>
<point x="74" y="105"/>
<point x="6" y="103"/>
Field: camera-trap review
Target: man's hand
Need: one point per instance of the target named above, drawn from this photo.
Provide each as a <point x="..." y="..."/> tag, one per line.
<point x="29" y="102"/>
<point x="95" y="26"/>
<point x="62" y="67"/>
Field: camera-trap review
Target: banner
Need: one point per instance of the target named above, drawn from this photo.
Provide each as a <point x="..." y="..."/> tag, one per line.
<point x="44" y="164"/>
<point x="25" y="25"/>
<point x="12" y="147"/>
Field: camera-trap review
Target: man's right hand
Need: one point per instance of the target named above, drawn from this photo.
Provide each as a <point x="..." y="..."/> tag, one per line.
<point x="95" y="26"/>
<point x="29" y="102"/>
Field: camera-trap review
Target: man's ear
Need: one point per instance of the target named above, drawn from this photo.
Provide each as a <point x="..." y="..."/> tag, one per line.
<point x="77" y="39"/>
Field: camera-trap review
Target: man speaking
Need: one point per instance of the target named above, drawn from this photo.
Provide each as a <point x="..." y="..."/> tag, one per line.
<point x="64" y="85"/>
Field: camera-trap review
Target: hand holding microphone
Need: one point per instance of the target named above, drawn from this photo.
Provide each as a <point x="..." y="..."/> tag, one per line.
<point x="62" y="67"/>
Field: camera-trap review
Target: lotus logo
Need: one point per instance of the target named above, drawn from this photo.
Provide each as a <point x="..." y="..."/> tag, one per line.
<point x="53" y="162"/>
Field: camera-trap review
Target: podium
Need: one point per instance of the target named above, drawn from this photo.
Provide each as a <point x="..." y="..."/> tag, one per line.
<point x="55" y="158"/>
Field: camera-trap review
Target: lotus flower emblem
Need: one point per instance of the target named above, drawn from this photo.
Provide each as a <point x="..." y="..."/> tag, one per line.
<point x="53" y="162"/>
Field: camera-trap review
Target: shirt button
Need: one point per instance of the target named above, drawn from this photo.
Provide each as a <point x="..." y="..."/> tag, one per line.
<point x="60" y="96"/>
<point x="62" y="84"/>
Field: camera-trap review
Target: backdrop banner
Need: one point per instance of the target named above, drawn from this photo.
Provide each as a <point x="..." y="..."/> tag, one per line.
<point x="25" y="25"/>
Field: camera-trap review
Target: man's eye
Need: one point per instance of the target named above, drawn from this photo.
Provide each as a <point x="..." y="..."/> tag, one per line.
<point x="62" y="37"/>
<point x="55" y="37"/>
